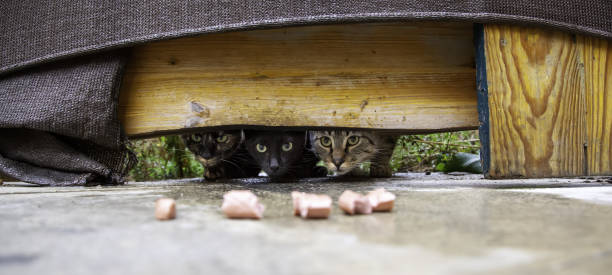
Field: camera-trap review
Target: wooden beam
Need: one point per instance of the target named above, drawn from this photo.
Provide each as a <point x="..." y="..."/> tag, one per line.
<point x="409" y="77"/>
<point x="596" y="65"/>
<point x="548" y="93"/>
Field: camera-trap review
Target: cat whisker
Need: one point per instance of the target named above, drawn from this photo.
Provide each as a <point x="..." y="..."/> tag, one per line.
<point x="241" y="158"/>
<point x="234" y="164"/>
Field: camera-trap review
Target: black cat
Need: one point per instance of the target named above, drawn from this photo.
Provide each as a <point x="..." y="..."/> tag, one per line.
<point x="222" y="154"/>
<point x="282" y="155"/>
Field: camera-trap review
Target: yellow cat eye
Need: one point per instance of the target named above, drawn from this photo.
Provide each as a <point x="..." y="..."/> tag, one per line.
<point x="223" y="138"/>
<point x="196" y="138"/>
<point x="325" y="141"/>
<point x="261" y="148"/>
<point x="287" y="146"/>
<point x="352" y="140"/>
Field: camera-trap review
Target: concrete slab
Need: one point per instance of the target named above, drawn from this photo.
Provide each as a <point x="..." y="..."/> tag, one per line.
<point x="441" y="224"/>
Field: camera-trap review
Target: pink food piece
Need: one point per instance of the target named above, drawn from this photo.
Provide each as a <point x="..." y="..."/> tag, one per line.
<point x="296" y="196"/>
<point x="165" y="209"/>
<point x="354" y="203"/>
<point x="242" y="204"/>
<point x="381" y="200"/>
<point x="311" y="206"/>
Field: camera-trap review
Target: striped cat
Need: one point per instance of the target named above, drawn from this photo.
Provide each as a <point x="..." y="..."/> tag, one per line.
<point x="222" y="154"/>
<point x="343" y="151"/>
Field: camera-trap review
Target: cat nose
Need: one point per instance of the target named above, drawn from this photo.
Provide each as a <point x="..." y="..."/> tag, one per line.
<point x="274" y="165"/>
<point x="338" y="162"/>
<point x="206" y="155"/>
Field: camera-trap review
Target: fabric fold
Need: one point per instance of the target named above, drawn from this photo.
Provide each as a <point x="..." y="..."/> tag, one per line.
<point x="59" y="124"/>
<point x="36" y="32"/>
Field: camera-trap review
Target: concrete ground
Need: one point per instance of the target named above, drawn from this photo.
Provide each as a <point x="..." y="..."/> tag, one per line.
<point x="441" y="224"/>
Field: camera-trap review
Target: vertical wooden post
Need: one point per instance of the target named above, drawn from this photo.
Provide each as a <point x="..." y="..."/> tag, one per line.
<point x="597" y="65"/>
<point x="548" y="98"/>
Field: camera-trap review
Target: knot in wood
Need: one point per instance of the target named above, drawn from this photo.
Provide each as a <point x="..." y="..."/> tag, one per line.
<point x="199" y="109"/>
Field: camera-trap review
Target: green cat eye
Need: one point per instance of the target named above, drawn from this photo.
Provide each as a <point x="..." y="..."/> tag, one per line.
<point x="223" y="138"/>
<point x="261" y="148"/>
<point x="287" y="146"/>
<point x="196" y="138"/>
<point x="352" y="140"/>
<point x="326" y="141"/>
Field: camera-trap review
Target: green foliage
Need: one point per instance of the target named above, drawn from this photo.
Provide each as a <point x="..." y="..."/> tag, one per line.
<point x="163" y="158"/>
<point x="166" y="157"/>
<point x="432" y="152"/>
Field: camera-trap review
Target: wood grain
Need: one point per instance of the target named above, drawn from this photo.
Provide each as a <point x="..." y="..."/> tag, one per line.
<point x="597" y="60"/>
<point x="416" y="76"/>
<point x="547" y="104"/>
<point x="536" y="113"/>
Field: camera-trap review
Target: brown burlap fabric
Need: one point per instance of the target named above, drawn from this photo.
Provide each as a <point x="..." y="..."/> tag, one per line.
<point x="35" y="31"/>
<point x="59" y="122"/>
<point x="70" y="103"/>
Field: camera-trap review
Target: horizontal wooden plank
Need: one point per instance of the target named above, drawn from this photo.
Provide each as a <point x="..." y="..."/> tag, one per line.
<point x="416" y="76"/>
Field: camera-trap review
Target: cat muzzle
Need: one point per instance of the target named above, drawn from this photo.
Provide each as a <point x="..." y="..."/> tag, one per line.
<point x="338" y="162"/>
<point x="207" y="162"/>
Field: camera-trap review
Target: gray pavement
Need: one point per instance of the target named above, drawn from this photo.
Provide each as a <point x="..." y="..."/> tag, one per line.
<point x="441" y="225"/>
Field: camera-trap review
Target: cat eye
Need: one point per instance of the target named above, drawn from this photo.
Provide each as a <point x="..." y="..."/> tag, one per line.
<point x="287" y="146"/>
<point x="261" y="148"/>
<point x="223" y="138"/>
<point x="196" y="138"/>
<point x="326" y="141"/>
<point x="352" y="140"/>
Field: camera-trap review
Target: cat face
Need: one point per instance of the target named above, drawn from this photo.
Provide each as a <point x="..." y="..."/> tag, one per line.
<point x="342" y="151"/>
<point x="210" y="148"/>
<point x="277" y="153"/>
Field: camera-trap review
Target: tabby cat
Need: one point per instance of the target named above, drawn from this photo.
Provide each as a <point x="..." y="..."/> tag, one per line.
<point x="222" y="154"/>
<point x="343" y="151"/>
<point x="282" y="155"/>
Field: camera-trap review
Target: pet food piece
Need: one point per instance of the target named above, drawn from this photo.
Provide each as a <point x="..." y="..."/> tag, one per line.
<point x="165" y="209"/>
<point x="311" y="206"/>
<point x="242" y="204"/>
<point x="296" y="196"/>
<point x="381" y="200"/>
<point x="354" y="203"/>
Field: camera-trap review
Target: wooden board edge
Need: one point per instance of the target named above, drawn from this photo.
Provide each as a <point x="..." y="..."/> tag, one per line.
<point x="482" y="91"/>
<point x="294" y="128"/>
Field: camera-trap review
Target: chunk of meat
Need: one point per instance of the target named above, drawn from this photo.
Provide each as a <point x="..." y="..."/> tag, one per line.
<point x="354" y="203"/>
<point x="381" y="200"/>
<point x="242" y="204"/>
<point x="311" y="206"/>
<point x="165" y="209"/>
